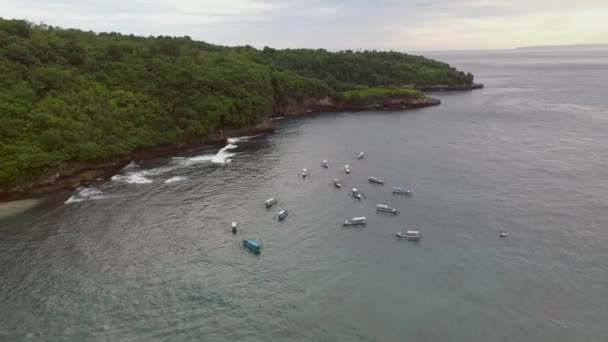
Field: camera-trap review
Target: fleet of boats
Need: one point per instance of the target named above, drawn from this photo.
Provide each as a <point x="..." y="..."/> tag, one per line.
<point x="413" y="235"/>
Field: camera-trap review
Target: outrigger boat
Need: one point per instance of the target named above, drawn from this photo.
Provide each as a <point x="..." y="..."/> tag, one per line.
<point x="234" y="225"/>
<point x="337" y="183"/>
<point x="413" y="235"/>
<point x="356" y="194"/>
<point x="355" y="221"/>
<point x="376" y="180"/>
<point x="252" y="246"/>
<point x="270" y="202"/>
<point x="401" y="191"/>
<point x="386" y="209"/>
<point x="282" y="214"/>
<point x="346" y="168"/>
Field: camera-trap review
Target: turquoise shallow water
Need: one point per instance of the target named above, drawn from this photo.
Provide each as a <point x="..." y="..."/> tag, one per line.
<point x="141" y="259"/>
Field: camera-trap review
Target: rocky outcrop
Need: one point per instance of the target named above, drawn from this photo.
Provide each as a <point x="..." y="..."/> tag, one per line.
<point x="71" y="175"/>
<point x="293" y="107"/>
<point x="445" y="87"/>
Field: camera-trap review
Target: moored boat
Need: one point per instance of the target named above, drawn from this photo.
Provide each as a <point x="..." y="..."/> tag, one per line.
<point x="346" y="168"/>
<point x="386" y="209"/>
<point x="234" y="225"/>
<point x="376" y="180"/>
<point x="413" y="235"/>
<point x="252" y="246"/>
<point x="356" y="193"/>
<point x="304" y="173"/>
<point x="401" y="191"/>
<point x="325" y="164"/>
<point x="270" y="202"/>
<point x="282" y="214"/>
<point x="355" y="221"/>
<point x="361" y="155"/>
<point x="337" y="183"/>
<point x="503" y="233"/>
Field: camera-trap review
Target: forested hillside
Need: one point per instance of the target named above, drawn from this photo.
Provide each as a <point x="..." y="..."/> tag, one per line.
<point x="69" y="95"/>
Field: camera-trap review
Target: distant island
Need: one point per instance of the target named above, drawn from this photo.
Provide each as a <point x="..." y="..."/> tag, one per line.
<point x="566" y="47"/>
<point x="76" y="106"/>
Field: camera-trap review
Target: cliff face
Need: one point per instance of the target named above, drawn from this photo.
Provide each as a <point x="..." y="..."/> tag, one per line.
<point x="71" y="175"/>
<point x="294" y="107"/>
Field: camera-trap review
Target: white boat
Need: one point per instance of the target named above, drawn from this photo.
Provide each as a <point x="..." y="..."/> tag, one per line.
<point x="355" y="221"/>
<point x="361" y="155"/>
<point x="401" y="191"/>
<point x="413" y="235"/>
<point x="234" y="225"/>
<point x="356" y="193"/>
<point x="503" y="233"/>
<point x="376" y="180"/>
<point x="304" y="173"/>
<point x="386" y="209"/>
<point x="325" y="164"/>
<point x="270" y="202"/>
<point x="346" y="168"/>
<point x="282" y="214"/>
<point x="337" y="183"/>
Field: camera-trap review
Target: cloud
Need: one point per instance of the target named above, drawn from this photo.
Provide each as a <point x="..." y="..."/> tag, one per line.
<point x="335" y="24"/>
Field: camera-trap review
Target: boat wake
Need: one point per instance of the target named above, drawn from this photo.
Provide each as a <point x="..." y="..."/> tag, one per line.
<point x="86" y="194"/>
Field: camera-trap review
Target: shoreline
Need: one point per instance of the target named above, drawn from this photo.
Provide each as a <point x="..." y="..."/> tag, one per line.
<point x="72" y="175"/>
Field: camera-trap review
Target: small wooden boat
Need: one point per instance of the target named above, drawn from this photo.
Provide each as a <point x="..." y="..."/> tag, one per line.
<point x="386" y="209"/>
<point x="355" y="221"/>
<point x="356" y="193"/>
<point x="282" y="214"/>
<point x="361" y="155"/>
<point x="346" y="168"/>
<point x="337" y="183"/>
<point x="413" y="235"/>
<point x="376" y="180"/>
<point x="503" y="234"/>
<point x="270" y="202"/>
<point x="325" y="164"/>
<point x="252" y="246"/>
<point x="401" y="191"/>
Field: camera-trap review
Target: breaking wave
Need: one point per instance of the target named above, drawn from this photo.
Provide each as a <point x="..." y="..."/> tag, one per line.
<point x="175" y="179"/>
<point x="86" y="194"/>
<point x="132" y="178"/>
<point x="223" y="156"/>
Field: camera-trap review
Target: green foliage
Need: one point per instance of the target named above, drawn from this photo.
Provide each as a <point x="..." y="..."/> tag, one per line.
<point x="69" y="95"/>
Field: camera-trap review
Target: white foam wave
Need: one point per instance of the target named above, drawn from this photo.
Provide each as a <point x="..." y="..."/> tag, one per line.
<point x="86" y="194"/>
<point x="175" y="179"/>
<point x="132" y="178"/>
<point x="130" y="166"/>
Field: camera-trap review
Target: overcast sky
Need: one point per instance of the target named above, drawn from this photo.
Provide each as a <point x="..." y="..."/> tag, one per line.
<point x="335" y="24"/>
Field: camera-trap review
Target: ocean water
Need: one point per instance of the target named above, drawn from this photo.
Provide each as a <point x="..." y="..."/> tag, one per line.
<point x="148" y="255"/>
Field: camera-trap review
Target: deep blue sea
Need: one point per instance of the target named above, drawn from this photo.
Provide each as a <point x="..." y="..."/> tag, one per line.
<point x="148" y="255"/>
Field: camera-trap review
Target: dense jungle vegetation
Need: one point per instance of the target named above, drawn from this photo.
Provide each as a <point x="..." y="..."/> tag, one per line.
<point x="70" y="95"/>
